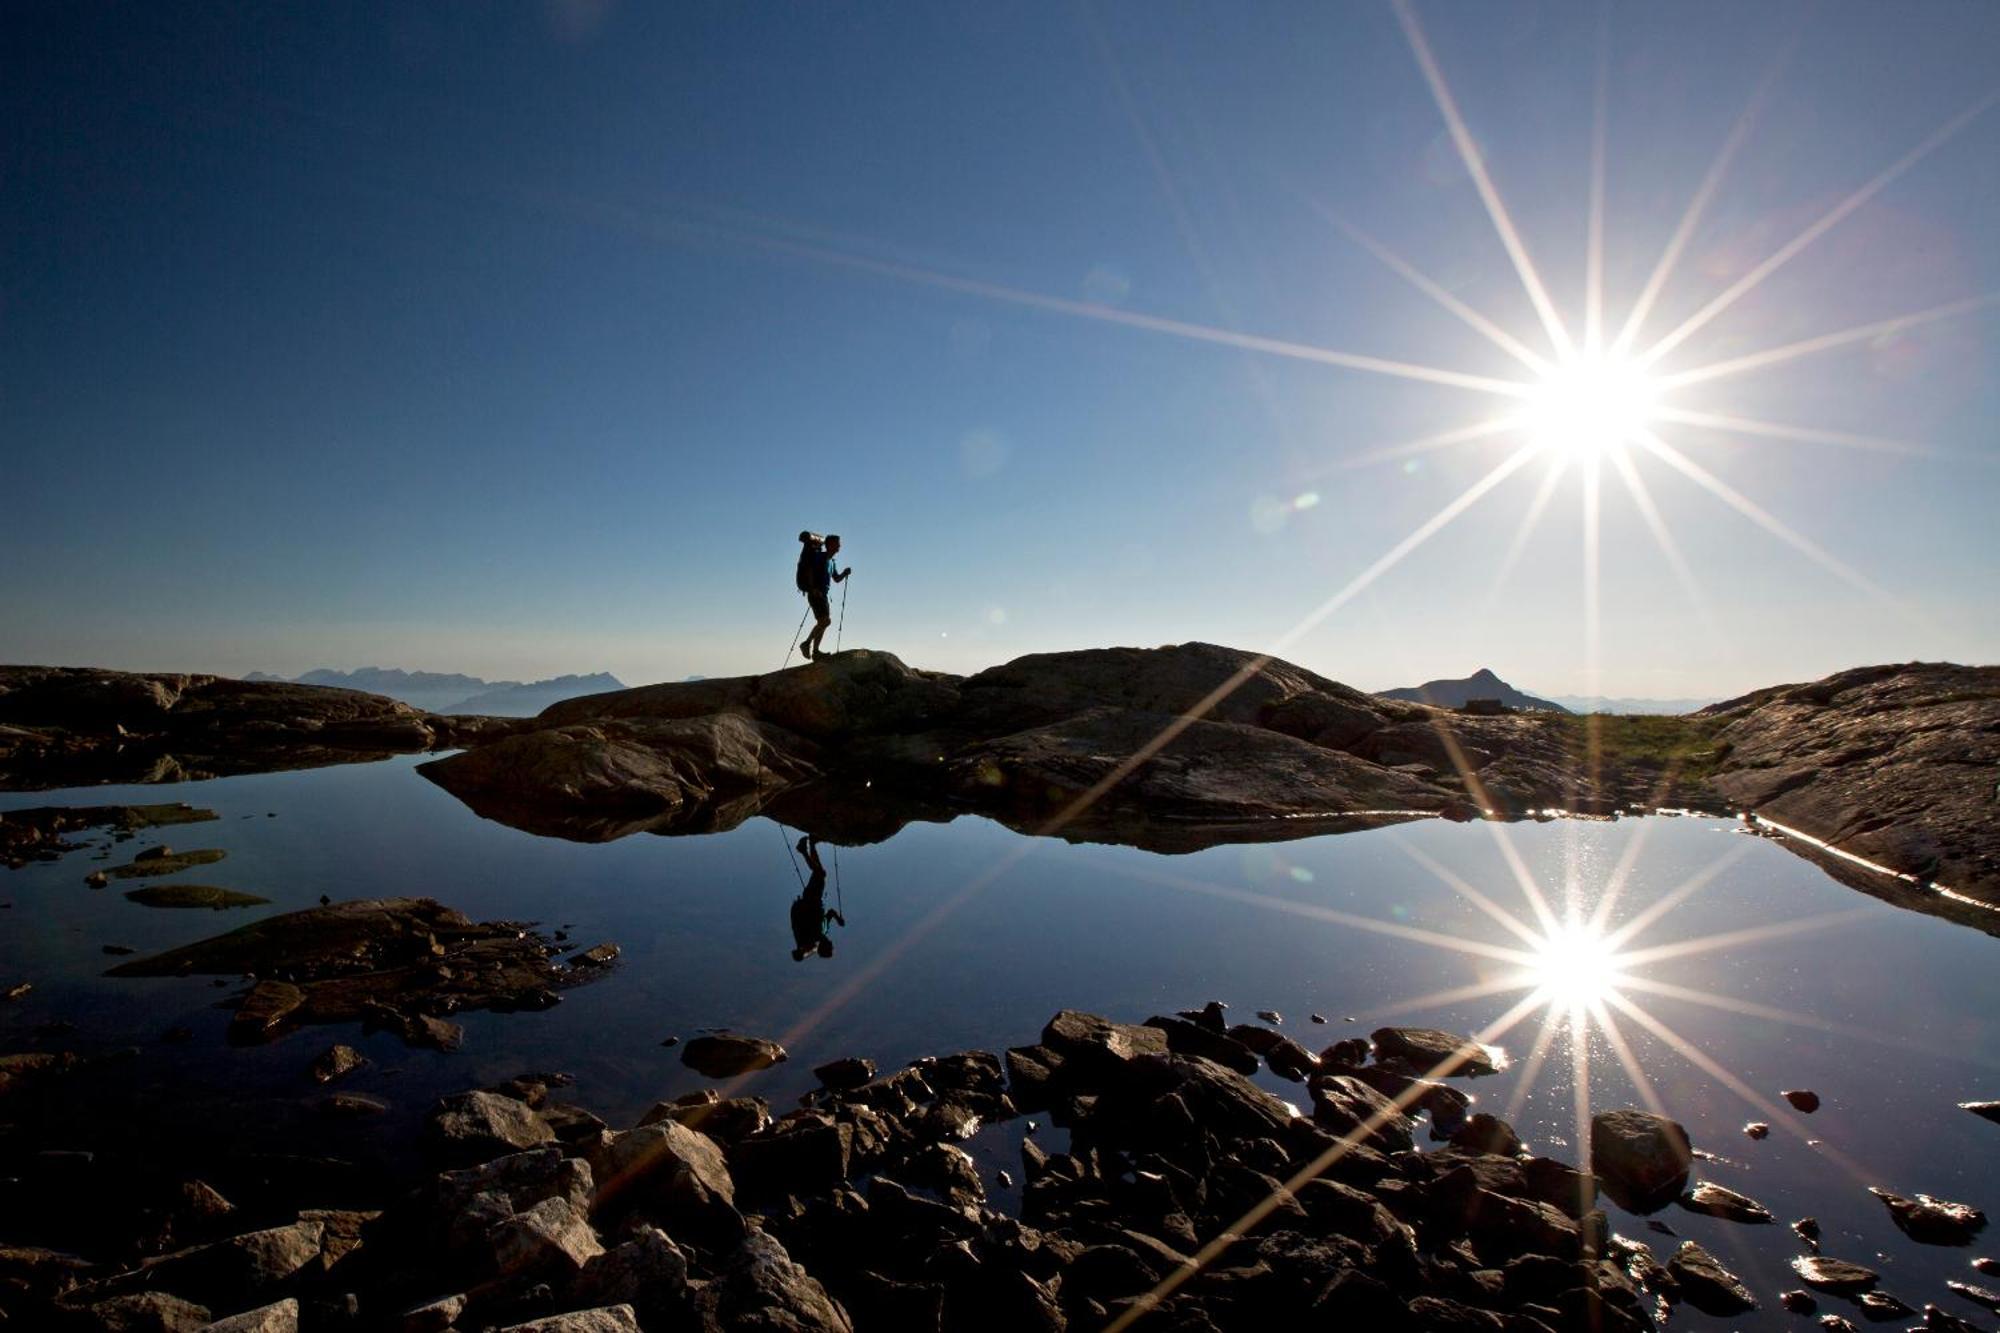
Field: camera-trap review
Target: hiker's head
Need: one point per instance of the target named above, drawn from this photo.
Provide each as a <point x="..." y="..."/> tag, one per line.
<point x="832" y="541"/>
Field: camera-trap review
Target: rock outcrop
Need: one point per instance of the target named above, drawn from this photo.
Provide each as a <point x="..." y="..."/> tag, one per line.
<point x="66" y="726"/>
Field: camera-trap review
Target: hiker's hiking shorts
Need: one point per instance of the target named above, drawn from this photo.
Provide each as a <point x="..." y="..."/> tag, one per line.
<point x="820" y="608"/>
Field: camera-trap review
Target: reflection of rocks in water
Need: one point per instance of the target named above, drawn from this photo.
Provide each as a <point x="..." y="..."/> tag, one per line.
<point x="399" y="963"/>
<point x="193" y="895"/>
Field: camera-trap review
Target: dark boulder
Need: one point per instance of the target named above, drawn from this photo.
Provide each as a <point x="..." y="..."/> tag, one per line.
<point x="1639" y="1158"/>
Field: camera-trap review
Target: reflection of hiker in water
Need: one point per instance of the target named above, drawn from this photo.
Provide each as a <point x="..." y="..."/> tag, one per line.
<point x="816" y="578"/>
<point x="810" y="913"/>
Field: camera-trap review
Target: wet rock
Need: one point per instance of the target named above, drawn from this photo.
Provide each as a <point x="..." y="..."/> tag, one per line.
<point x="1991" y="1267"/>
<point x="1270" y="1015"/>
<point x="1706" y="1284"/>
<point x="1639" y="1158"/>
<point x="474" y="1127"/>
<point x="1797" y="1302"/>
<point x="148" y="1312"/>
<point x="1802" y="1100"/>
<point x="1879" y="1306"/>
<point x="1807" y="1230"/>
<point x="1258" y="1040"/>
<point x="335" y="1062"/>
<point x="1485" y="1133"/>
<point x="278" y="1317"/>
<point x="759" y="1286"/>
<point x="724" y="1055"/>
<point x="264" y="1012"/>
<point x="1093" y="1048"/>
<point x="1290" y="1060"/>
<point x="193" y="895"/>
<point x="15" y="991"/>
<point x="1833" y="1323"/>
<point x="416" y="1029"/>
<point x="1977" y="1295"/>
<point x="1984" y="1110"/>
<point x="352" y="1104"/>
<point x="845" y="1074"/>
<point x="1211" y="1016"/>
<point x="607" y="1319"/>
<point x="1932" y="1221"/>
<point x="1834" y="1275"/>
<point x="97" y="879"/>
<point x="1441" y="1054"/>
<point x="1716" y="1201"/>
<point x="1757" y="1129"/>
<point x="1189" y="1038"/>
<point x="1347" y="1106"/>
<point x="598" y="955"/>
<point x="1941" y="1321"/>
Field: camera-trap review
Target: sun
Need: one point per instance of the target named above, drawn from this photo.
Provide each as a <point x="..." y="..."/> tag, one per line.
<point x="1575" y="968"/>
<point x="1589" y="403"/>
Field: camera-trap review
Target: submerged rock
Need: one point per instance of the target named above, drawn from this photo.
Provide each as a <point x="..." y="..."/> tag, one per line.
<point x="193" y="895"/>
<point x="161" y="861"/>
<point x="725" y="1054"/>
<point x="1641" y="1159"/>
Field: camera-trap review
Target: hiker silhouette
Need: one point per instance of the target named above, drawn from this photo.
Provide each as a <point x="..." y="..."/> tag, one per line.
<point x="816" y="577"/>
<point x="810" y="914"/>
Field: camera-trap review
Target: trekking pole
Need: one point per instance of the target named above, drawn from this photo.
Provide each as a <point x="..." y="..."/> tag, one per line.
<point x="800" y="630"/>
<point x="841" y="632"/>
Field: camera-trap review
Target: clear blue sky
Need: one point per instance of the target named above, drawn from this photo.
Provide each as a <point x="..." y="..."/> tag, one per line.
<point x="523" y="339"/>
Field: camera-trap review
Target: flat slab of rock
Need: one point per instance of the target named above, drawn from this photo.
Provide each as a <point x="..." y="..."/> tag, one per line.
<point x="1430" y="1048"/>
<point x="278" y="1317"/>
<point x="193" y="895"/>
<point x="605" y="1319"/>
<point x="725" y="1054"/>
<point x="1984" y="1110"/>
<point x="1835" y="1275"/>
<point x="1932" y="1221"/>
<point x="1707" y="1285"/>
<point x="1640" y="1159"/>
<point x="1716" y="1201"/>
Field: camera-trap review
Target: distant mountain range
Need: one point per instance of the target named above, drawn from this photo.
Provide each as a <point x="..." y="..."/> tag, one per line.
<point x="1481" y="684"/>
<point x="449" y="692"/>
<point x="1596" y="703"/>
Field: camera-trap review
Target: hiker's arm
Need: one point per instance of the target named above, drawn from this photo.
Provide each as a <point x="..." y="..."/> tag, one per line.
<point x="840" y="576"/>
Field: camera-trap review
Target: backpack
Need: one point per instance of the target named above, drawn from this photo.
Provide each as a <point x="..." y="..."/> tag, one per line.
<point x="807" y="578"/>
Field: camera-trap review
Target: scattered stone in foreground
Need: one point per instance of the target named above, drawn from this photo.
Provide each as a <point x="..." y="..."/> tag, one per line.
<point x="1798" y="1302"/>
<point x="1270" y="1016"/>
<point x="1834" y="1275"/>
<point x="1990" y="1267"/>
<point x="1707" y="1285"/>
<point x="1877" y="1306"/>
<point x="31" y="832"/>
<point x="193" y="895"/>
<point x="16" y="991"/>
<point x="726" y="1054"/>
<point x="1833" y="1323"/>
<point x="1943" y="1321"/>
<point x="606" y="1319"/>
<point x="1985" y="1110"/>
<point x="1802" y="1099"/>
<point x="1757" y="1129"/>
<point x="1716" y="1201"/>
<point x="1807" y="1230"/>
<point x="1930" y="1221"/>
<point x="1640" y="1159"/>
<point x="335" y="1061"/>
<point x="1429" y="1048"/>
<point x="1977" y="1295"/>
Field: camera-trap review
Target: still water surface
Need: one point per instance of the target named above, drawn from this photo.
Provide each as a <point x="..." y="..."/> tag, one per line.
<point x="1888" y="1015"/>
